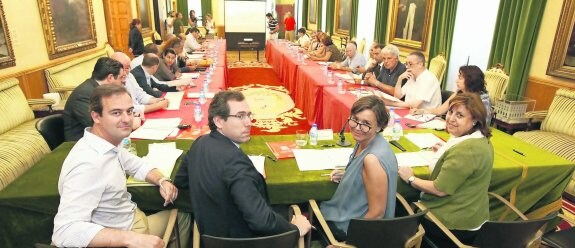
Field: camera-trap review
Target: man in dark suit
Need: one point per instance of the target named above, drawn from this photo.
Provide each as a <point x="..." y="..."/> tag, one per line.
<point x="228" y="194"/>
<point x="143" y="75"/>
<point x="76" y="112"/>
<point x="375" y="67"/>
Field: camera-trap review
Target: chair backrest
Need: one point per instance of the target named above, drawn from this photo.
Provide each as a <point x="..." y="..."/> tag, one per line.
<point x="560" y="118"/>
<point x="14" y="110"/>
<point x="52" y="129"/>
<point x="509" y="234"/>
<point x="437" y="66"/>
<point x="283" y="240"/>
<point x="393" y="232"/>
<point x="496" y="83"/>
<point x="361" y="46"/>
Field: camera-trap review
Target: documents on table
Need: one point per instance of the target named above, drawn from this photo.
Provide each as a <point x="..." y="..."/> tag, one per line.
<point x="314" y="159"/>
<point x="386" y="96"/>
<point x="175" y="99"/>
<point x="156" y="129"/>
<point x="197" y="95"/>
<point x="192" y="75"/>
<point x="258" y="162"/>
<point x="163" y="156"/>
<point x="196" y="56"/>
<point x="179" y="82"/>
<point x="324" y="134"/>
<point x="412" y="159"/>
<point x="344" y="76"/>
<point x="420" y="118"/>
<point x="433" y="124"/>
<point x="322" y="63"/>
<point x="423" y="140"/>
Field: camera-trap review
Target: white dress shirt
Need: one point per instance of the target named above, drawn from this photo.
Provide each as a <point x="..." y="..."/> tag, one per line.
<point x="93" y="193"/>
<point x="139" y="97"/>
<point x="191" y="44"/>
<point x="425" y="88"/>
<point x="357" y="61"/>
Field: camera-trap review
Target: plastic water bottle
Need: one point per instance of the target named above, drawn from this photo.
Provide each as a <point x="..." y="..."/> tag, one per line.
<point x="198" y="112"/>
<point x="209" y="78"/>
<point x="313" y="135"/>
<point x="325" y="69"/>
<point x="340" y="88"/>
<point x="358" y="93"/>
<point x="206" y="89"/>
<point x="127" y="144"/>
<point x="202" y="99"/>
<point x="330" y="77"/>
<point x="397" y="130"/>
<point x="391" y="117"/>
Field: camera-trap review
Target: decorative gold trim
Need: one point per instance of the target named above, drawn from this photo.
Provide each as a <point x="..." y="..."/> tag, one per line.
<point x="342" y="32"/>
<point x="312" y="26"/>
<point x="146" y="31"/>
<point x="557" y="66"/>
<point x="55" y="49"/>
<point x="9" y="60"/>
<point x="419" y="45"/>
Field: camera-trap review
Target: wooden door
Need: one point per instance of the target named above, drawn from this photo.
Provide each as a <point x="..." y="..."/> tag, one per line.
<point x="118" y="17"/>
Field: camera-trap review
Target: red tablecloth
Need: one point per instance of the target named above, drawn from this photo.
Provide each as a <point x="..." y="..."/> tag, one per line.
<point x="336" y="108"/>
<point x="308" y="93"/>
<point x="274" y="55"/>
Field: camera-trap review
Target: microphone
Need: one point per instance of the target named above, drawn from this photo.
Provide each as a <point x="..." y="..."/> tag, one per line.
<point x="342" y="141"/>
<point x="396" y="144"/>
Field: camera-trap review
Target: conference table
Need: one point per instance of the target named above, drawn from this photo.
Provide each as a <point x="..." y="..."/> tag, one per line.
<point x="532" y="181"/>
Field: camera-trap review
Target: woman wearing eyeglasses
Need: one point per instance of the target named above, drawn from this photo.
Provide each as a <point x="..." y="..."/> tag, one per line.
<point x="457" y="190"/>
<point x="367" y="188"/>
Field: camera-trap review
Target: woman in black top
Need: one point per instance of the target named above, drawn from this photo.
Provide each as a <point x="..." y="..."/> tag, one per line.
<point x="136" y="42"/>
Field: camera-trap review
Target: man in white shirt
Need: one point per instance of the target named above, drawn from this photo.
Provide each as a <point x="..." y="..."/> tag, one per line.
<point x="95" y="207"/>
<point x="143" y="102"/>
<point x="421" y="89"/>
<point x="303" y="39"/>
<point x="191" y="44"/>
<point x="170" y="23"/>
<point x="353" y="59"/>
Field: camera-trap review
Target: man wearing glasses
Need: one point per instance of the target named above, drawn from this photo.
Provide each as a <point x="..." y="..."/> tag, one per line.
<point x="421" y="89"/>
<point x="228" y="195"/>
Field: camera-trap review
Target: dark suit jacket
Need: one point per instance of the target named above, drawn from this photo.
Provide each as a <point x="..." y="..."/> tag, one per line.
<point x="229" y="197"/>
<point x="76" y="111"/>
<point x="140" y="76"/>
<point x="136" y="42"/>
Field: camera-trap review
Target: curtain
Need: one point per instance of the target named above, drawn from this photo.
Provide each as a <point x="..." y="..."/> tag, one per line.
<point x="354" y="12"/>
<point x="330" y="17"/>
<point x="319" y="16"/>
<point x="442" y="34"/>
<point x="514" y="40"/>
<point x="183" y="8"/>
<point x="304" y="13"/>
<point x="207" y="8"/>
<point x="381" y="11"/>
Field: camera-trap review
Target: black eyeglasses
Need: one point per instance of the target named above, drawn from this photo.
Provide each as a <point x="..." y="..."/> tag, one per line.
<point x="244" y="116"/>
<point x="353" y="123"/>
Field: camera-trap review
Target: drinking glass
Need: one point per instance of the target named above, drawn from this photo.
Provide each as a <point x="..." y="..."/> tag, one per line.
<point x="301" y="138"/>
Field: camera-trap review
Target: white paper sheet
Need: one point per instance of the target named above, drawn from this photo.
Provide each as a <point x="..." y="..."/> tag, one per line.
<point x="156" y="129"/>
<point x="423" y="140"/>
<point x="163" y="157"/>
<point x="162" y="123"/>
<point x="192" y="75"/>
<point x="413" y="159"/>
<point x="196" y="56"/>
<point x="175" y="99"/>
<point x="344" y="76"/>
<point x="420" y="118"/>
<point x="313" y="159"/>
<point x="259" y="162"/>
<point x="386" y="96"/>
<point x="197" y="95"/>
<point x="325" y="134"/>
<point x="433" y="124"/>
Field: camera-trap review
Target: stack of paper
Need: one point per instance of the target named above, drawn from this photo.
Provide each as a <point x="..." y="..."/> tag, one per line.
<point x="420" y="118"/>
<point x="197" y="95"/>
<point x="163" y="156"/>
<point x="344" y="76"/>
<point x="258" y="162"/>
<point x="156" y="129"/>
<point x="412" y="159"/>
<point x="192" y="75"/>
<point x="175" y="99"/>
<point x="313" y="159"/>
<point x="196" y="56"/>
<point x="385" y="96"/>
<point x="433" y="124"/>
<point x="423" y="140"/>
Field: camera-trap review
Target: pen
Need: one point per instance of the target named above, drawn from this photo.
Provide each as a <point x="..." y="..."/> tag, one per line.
<point x="272" y="159"/>
<point x="328" y="145"/>
<point x="518" y="152"/>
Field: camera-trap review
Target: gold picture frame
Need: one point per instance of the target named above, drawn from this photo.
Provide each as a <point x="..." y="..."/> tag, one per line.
<point x="68" y="26"/>
<point x="562" y="58"/>
<point x="7" y="58"/>
<point x="145" y="16"/>
<point x="410" y="23"/>
<point x="342" y="17"/>
<point x="312" y="15"/>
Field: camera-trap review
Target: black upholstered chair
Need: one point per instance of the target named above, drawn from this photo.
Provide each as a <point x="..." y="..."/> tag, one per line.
<point x="561" y="239"/>
<point x="445" y="94"/>
<point x="52" y="129"/>
<point x="283" y="240"/>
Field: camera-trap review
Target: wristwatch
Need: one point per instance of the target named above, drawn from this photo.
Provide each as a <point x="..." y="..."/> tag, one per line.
<point x="164" y="179"/>
<point x="410" y="180"/>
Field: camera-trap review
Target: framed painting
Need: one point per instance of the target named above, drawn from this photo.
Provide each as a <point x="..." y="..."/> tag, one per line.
<point x="145" y="17"/>
<point x="562" y="59"/>
<point x="410" y="23"/>
<point x="68" y="26"/>
<point x="342" y="17"/>
<point x="312" y="14"/>
<point x="7" y="58"/>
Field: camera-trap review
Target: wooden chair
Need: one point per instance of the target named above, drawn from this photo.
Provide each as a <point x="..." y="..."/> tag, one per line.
<point x="396" y="232"/>
<point x="289" y="239"/>
<point x="496" y="81"/>
<point x="500" y="233"/>
<point x="437" y="66"/>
